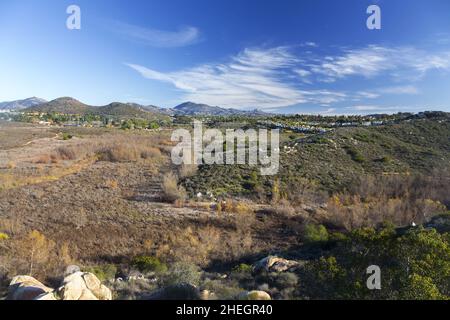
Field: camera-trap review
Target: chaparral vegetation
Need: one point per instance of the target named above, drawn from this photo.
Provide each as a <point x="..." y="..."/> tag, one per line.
<point x="97" y="189"/>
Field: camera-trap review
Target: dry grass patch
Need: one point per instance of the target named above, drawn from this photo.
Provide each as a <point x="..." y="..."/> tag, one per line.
<point x="15" y="180"/>
<point x="236" y="206"/>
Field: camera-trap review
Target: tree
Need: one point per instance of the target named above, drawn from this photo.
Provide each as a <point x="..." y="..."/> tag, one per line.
<point x="37" y="249"/>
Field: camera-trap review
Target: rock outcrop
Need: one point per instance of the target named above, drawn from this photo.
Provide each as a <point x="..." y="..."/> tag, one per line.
<point x="26" y="288"/>
<point x="83" y="286"/>
<point x="275" y="264"/>
<point x="76" y="286"/>
<point x="254" y="295"/>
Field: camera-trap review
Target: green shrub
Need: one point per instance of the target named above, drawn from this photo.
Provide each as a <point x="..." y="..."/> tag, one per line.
<point x="321" y="140"/>
<point x="422" y="288"/>
<point x="223" y="290"/>
<point x="337" y="236"/>
<point x="149" y="264"/>
<point x="286" y="280"/>
<point x="356" y="156"/>
<point x="386" y="159"/>
<point x="3" y="236"/>
<point x="243" y="268"/>
<point x="315" y="233"/>
<point x="423" y="253"/>
<point x="66" y="136"/>
<point x="181" y="272"/>
<point x="103" y="272"/>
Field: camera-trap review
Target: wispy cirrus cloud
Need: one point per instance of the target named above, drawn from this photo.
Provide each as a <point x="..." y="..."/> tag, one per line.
<point x="409" y="89"/>
<point x="372" y="61"/>
<point x="184" y="36"/>
<point x="392" y="90"/>
<point x="253" y="78"/>
<point x="277" y="77"/>
<point x="380" y="109"/>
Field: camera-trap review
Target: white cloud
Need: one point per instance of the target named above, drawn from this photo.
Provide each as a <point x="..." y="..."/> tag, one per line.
<point x="373" y="61"/>
<point x="184" y="36"/>
<point x="253" y="78"/>
<point x="278" y="77"/>
<point x="309" y="44"/>
<point x="366" y="95"/>
<point x="399" y="90"/>
<point x="364" y="109"/>
<point x="393" y="90"/>
<point x="302" y="72"/>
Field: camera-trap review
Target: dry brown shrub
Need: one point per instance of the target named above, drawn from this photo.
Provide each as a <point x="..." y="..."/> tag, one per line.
<point x="79" y="218"/>
<point x="350" y="212"/>
<point x="150" y="153"/>
<point x="187" y="170"/>
<point x="112" y="148"/>
<point x="11" y="165"/>
<point x="13" y="225"/>
<point x="54" y="159"/>
<point x="66" y="153"/>
<point x="171" y="191"/>
<point x="399" y="199"/>
<point x="118" y="153"/>
<point x="227" y="205"/>
<point x="36" y="255"/>
<point x="284" y="207"/>
<point x="111" y="184"/>
<point x="179" y="203"/>
<point x="34" y="252"/>
<point x="236" y="206"/>
<point x="191" y="245"/>
<point x="128" y="149"/>
<point x="43" y="159"/>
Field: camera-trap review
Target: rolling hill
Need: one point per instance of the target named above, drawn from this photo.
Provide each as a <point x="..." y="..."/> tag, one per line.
<point x="333" y="161"/>
<point x="67" y="105"/>
<point x="64" y="105"/>
<point x="21" y="104"/>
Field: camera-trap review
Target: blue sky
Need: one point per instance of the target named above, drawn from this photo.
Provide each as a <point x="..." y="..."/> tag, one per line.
<point x="304" y="56"/>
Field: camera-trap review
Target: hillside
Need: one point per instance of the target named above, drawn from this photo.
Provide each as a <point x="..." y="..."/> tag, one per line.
<point x="109" y="202"/>
<point x="67" y="105"/>
<point x="21" y="104"/>
<point x="156" y="109"/>
<point x="126" y="110"/>
<point x="333" y="161"/>
<point x="64" y="105"/>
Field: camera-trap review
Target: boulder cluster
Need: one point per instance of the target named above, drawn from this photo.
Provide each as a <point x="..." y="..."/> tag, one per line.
<point x="75" y="286"/>
<point x="78" y="285"/>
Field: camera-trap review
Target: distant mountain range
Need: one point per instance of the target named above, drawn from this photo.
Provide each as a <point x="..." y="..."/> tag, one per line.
<point x="194" y="109"/>
<point x="21" y="104"/>
<point x="68" y="105"/>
